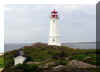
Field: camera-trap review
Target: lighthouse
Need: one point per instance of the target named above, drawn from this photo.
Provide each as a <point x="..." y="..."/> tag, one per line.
<point x="54" y="33"/>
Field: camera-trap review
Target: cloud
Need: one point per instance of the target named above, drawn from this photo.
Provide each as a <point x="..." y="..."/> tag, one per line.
<point x="28" y="23"/>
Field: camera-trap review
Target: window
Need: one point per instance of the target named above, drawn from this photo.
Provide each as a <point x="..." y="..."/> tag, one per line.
<point x="53" y="39"/>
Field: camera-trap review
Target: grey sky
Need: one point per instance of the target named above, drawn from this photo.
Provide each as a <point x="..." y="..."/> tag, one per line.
<point x="30" y="23"/>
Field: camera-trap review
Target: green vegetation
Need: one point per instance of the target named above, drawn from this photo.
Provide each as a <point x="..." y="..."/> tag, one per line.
<point x="51" y="56"/>
<point x="90" y="58"/>
<point x="1" y="61"/>
<point x="61" y="62"/>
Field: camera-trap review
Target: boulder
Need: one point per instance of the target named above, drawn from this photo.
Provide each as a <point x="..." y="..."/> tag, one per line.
<point x="80" y="64"/>
<point x="58" y="68"/>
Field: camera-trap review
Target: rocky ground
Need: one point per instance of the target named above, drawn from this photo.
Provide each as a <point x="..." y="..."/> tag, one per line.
<point x="80" y="64"/>
<point x="44" y="58"/>
<point x="1" y="69"/>
<point x="72" y="66"/>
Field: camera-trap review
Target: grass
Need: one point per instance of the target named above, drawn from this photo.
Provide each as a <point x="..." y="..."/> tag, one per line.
<point x="82" y="57"/>
<point x="1" y="61"/>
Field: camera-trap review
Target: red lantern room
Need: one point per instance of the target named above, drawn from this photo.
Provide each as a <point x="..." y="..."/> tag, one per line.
<point x="54" y="14"/>
<point x="54" y="11"/>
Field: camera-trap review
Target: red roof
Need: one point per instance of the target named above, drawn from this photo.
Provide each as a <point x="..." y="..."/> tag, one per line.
<point x="54" y="14"/>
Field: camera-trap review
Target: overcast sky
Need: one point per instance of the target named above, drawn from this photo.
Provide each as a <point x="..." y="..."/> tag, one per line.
<point x="30" y="23"/>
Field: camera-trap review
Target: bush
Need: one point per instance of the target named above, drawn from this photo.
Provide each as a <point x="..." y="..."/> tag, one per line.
<point x="27" y="68"/>
<point x="61" y="62"/>
<point x="1" y="61"/>
<point x="24" y="68"/>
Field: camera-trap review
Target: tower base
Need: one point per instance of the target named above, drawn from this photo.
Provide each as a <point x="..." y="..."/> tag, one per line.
<point x="56" y="44"/>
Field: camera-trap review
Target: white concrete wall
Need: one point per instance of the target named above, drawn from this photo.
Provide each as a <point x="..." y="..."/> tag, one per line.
<point x="54" y="32"/>
<point x="19" y="60"/>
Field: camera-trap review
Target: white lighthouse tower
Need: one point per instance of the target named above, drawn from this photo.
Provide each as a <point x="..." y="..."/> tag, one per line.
<point x="54" y="33"/>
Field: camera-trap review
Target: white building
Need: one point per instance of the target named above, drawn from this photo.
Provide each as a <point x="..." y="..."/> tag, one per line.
<point x="54" y="33"/>
<point x="19" y="60"/>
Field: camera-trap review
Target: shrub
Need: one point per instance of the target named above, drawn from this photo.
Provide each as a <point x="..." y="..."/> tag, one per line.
<point x="61" y="62"/>
<point x="24" y="68"/>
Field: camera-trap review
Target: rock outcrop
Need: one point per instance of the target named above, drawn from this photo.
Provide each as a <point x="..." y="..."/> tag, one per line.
<point x="80" y="64"/>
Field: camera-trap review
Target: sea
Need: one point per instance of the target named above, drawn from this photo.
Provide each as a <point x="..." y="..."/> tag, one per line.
<point x="80" y="45"/>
